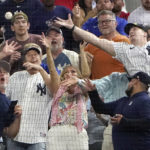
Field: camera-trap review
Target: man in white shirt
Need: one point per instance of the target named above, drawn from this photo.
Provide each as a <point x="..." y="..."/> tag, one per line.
<point x="141" y="14"/>
<point x="134" y="56"/>
<point x="28" y="87"/>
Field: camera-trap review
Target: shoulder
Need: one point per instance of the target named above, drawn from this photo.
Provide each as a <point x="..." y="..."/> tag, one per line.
<point x="18" y="74"/>
<point x="69" y="52"/>
<point x="135" y="12"/>
<point x="121" y="38"/>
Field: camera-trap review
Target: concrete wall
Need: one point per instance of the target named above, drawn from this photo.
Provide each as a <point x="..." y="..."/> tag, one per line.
<point x="132" y="4"/>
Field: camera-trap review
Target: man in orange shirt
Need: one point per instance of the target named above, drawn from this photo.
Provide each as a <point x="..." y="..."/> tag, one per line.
<point x="103" y="64"/>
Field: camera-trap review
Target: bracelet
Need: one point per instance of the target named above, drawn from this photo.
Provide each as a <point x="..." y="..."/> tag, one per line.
<point x="72" y="29"/>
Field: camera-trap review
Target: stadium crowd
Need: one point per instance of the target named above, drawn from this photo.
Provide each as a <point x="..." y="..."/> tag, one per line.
<point x="74" y="75"/>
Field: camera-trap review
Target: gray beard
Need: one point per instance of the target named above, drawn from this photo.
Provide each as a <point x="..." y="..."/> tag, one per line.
<point x="56" y="47"/>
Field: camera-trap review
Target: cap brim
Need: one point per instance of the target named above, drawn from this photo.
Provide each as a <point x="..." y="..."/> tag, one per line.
<point x="32" y="48"/>
<point x="128" y="27"/>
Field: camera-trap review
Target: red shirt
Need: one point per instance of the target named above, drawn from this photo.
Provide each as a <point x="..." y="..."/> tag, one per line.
<point x="67" y="3"/>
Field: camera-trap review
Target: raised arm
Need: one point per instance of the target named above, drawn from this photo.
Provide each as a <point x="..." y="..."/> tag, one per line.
<point x="84" y="66"/>
<point x="55" y="79"/>
<point x="87" y="36"/>
<point x="8" y="49"/>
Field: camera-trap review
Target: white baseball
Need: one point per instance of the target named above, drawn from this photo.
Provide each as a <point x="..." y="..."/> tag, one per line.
<point x="8" y="15"/>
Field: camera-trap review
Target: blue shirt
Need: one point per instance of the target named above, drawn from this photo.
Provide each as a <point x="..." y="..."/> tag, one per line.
<point x="112" y="87"/>
<point x="4" y="106"/>
<point x="27" y="6"/>
<point x="60" y="62"/>
<point x="91" y="25"/>
<point x="45" y="67"/>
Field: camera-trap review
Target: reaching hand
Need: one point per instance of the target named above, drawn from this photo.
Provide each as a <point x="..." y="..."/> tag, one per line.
<point x="18" y="111"/>
<point x="83" y="45"/>
<point x="65" y="23"/>
<point x="9" y="49"/>
<point x="45" y="41"/>
<point x="30" y="66"/>
<point x="69" y="82"/>
<point x="15" y="56"/>
<point x="116" y="119"/>
<point x="88" y="85"/>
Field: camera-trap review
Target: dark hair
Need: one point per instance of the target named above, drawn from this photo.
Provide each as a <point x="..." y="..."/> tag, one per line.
<point x="83" y="6"/>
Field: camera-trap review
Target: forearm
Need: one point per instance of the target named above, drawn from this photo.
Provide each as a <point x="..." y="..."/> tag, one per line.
<point x="45" y="76"/>
<point x="2" y="55"/>
<point x="135" y="123"/>
<point x="91" y="38"/>
<point x="13" y="129"/>
<point x="98" y="104"/>
<point x="85" y="68"/>
<point x="55" y="79"/>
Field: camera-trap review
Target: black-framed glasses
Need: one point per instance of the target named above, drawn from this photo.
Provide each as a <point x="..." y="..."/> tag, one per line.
<point x="107" y="21"/>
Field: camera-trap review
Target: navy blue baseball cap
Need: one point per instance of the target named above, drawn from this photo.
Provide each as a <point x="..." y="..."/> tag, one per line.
<point x="141" y="76"/>
<point x="131" y="25"/>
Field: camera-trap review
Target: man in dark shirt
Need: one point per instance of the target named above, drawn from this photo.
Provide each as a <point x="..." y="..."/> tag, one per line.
<point x="131" y="115"/>
<point x="9" y="122"/>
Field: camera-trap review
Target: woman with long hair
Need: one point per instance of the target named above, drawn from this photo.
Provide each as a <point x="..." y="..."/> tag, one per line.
<point x="68" y="113"/>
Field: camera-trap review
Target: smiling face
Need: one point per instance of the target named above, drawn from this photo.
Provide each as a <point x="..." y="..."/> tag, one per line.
<point x="4" y="77"/>
<point x="107" y="24"/>
<point x="33" y="56"/>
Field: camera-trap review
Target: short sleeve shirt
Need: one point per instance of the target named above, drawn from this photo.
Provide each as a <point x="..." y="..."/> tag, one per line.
<point x="134" y="58"/>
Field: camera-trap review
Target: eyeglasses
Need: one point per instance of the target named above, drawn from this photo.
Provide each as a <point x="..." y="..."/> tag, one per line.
<point x="105" y="21"/>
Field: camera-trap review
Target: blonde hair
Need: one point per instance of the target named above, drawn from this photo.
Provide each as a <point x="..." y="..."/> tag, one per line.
<point x="65" y="69"/>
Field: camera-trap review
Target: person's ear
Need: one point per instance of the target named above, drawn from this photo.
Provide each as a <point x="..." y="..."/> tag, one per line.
<point x="28" y="25"/>
<point x="12" y="28"/>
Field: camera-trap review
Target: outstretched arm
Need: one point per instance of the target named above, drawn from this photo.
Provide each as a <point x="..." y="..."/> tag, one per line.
<point x="55" y="79"/>
<point x="85" y="68"/>
<point x="88" y="37"/>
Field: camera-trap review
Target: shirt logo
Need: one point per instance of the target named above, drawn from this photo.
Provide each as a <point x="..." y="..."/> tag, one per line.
<point x="130" y="103"/>
<point x="41" y="89"/>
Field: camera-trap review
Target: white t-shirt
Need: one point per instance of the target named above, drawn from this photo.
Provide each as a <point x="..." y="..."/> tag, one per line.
<point x="32" y="95"/>
<point x="140" y="16"/>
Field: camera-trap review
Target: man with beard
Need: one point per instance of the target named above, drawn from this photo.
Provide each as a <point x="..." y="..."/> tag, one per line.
<point x="44" y="17"/>
<point x="130" y="115"/>
<point x="117" y="9"/>
<point x="141" y="14"/>
<point x="61" y="56"/>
